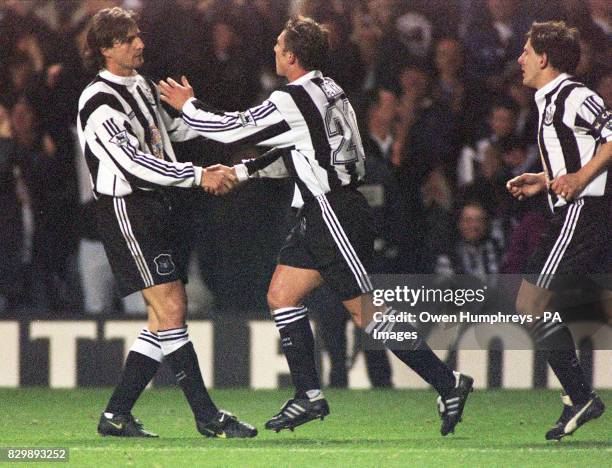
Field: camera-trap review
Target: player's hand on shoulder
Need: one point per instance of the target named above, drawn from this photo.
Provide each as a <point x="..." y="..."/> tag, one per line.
<point x="174" y="93"/>
<point x="218" y="179"/>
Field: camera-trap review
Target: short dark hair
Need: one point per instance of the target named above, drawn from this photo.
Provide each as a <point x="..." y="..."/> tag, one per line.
<point x="107" y="27"/>
<point x="308" y="40"/>
<point x="559" y="42"/>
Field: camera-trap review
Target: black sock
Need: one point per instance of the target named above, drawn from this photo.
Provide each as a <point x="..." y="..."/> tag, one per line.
<point x="556" y="340"/>
<point x="297" y="343"/>
<point x="140" y="367"/>
<point x="416" y="354"/>
<point x="180" y="354"/>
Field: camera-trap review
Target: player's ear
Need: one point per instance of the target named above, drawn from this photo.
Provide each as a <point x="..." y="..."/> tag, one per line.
<point x="543" y="60"/>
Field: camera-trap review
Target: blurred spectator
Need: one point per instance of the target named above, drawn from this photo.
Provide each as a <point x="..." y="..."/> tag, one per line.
<point x="344" y="63"/>
<point x="475" y="253"/>
<point x="466" y="98"/>
<point x="381" y="187"/>
<point x="42" y="170"/>
<point x="425" y="137"/>
<point x="601" y="15"/>
<point x="527" y="112"/>
<point x="477" y="161"/>
<point x="494" y="38"/>
<point x="367" y="35"/>
<point x="11" y="226"/>
<point x="415" y="31"/>
<point x="604" y="88"/>
<point x="437" y="216"/>
<point x="229" y="80"/>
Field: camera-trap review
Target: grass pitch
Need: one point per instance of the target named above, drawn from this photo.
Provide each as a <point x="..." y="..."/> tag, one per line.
<point x="365" y="428"/>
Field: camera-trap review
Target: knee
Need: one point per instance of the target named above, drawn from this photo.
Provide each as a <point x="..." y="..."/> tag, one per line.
<point x="278" y="298"/>
<point x="173" y="313"/>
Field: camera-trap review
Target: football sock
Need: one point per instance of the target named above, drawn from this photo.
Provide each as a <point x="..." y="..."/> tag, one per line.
<point x="181" y="356"/>
<point x="141" y="365"/>
<point x="297" y="343"/>
<point x="416" y="354"/>
<point x="556" y="340"/>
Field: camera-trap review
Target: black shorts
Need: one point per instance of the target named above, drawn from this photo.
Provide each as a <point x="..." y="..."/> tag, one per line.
<point x="575" y="247"/>
<point x="140" y="239"/>
<point x="334" y="235"/>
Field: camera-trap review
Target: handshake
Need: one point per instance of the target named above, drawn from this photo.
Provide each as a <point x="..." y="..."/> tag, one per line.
<point x="218" y="179"/>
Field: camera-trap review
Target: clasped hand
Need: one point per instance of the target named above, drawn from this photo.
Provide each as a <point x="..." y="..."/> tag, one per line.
<point x="218" y="179"/>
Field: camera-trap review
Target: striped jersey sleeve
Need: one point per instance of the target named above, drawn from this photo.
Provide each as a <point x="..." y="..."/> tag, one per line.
<point x="593" y="115"/>
<point x="260" y="125"/>
<point x="108" y="135"/>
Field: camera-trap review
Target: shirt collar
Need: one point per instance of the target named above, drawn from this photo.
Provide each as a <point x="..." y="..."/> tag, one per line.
<point x="123" y="80"/>
<point x="548" y="87"/>
<point x="308" y="76"/>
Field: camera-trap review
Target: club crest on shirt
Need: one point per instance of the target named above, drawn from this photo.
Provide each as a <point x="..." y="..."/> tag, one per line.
<point x="157" y="145"/>
<point x="246" y="119"/>
<point x="164" y="264"/>
<point x="149" y="95"/>
<point x="549" y="114"/>
<point x="120" y="139"/>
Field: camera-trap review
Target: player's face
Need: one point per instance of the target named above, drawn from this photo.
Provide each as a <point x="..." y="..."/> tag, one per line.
<point x="281" y="55"/>
<point x="125" y="56"/>
<point x="530" y="65"/>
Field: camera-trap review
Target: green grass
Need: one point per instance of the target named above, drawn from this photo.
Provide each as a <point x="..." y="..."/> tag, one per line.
<point x="365" y="428"/>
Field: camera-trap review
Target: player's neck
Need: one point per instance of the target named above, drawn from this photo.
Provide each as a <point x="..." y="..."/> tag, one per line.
<point x="118" y="70"/>
<point x="546" y="77"/>
<point x="296" y="73"/>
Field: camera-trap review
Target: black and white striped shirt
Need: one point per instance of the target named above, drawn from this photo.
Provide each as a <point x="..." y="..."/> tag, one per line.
<point x="125" y="136"/>
<point x="573" y="123"/>
<point x="311" y="117"/>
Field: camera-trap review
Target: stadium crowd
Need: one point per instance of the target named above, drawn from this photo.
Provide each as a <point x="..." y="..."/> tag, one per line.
<point x="445" y="122"/>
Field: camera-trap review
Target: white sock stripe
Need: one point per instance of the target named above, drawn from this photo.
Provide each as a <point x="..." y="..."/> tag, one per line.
<point x="171" y="334"/>
<point x="134" y="248"/>
<point x="344" y="245"/>
<point x="171" y="331"/>
<point x="288" y="311"/>
<point x="173" y="339"/>
<point x="284" y="323"/>
<point x="288" y="316"/>
<point x="565" y="237"/>
<point x="149" y="334"/>
<point x="147" y="347"/>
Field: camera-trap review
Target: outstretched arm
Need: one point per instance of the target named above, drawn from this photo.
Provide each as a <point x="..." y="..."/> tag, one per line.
<point x="260" y="125"/>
